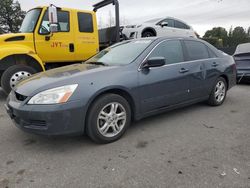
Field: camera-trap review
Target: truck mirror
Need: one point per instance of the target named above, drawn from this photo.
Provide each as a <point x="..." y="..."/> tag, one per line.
<point x="53" y="28"/>
<point x="53" y="20"/>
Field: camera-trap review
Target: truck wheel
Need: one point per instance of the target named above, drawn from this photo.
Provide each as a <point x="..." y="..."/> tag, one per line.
<point x="13" y="75"/>
<point x="147" y="34"/>
<point x="218" y="93"/>
<point x="108" y="118"/>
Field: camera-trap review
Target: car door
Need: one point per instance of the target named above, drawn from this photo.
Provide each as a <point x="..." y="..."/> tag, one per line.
<point x="57" y="47"/>
<point x="197" y="57"/>
<point x="213" y="67"/>
<point x="86" y="35"/>
<point x="168" y="30"/>
<point x="166" y="85"/>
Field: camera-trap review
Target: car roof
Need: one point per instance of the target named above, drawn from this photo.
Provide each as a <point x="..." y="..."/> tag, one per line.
<point x="168" y="17"/>
<point x="166" y="38"/>
<point x="174" y="37"/>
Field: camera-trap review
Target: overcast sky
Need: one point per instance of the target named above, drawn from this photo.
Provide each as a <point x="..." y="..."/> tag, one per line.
<point x="200" y="14"/>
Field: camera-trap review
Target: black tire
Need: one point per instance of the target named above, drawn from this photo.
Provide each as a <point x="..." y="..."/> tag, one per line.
<point x="8" y="73"/>
<point x="213" y="100"/>
<point x="147" y="34"/>
<point x="92" y="118"/>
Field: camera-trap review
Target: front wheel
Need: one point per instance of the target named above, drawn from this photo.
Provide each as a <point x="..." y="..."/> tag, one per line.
<point x="147" y="34"/>
<point x="13" y="75"/>
<point x="108" y="118"/>
<point x="218" y="93"/>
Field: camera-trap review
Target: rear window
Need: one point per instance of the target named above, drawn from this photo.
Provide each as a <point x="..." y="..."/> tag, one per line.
<point x="196" y="50"/>
<point x="85" y="22"/>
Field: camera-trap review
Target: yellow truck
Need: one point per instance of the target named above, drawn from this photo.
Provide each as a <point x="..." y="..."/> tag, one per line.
<point x="50" y="37"/>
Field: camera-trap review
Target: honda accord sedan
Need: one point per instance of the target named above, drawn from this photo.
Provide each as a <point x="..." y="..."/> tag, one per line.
<point x="125" y="82"/>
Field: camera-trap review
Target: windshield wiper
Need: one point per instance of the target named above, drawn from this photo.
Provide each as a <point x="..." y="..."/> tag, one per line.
<point x="97" y="63"/>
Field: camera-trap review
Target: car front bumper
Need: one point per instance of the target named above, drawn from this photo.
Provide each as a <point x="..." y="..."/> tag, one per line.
<point x="58" y="119"/>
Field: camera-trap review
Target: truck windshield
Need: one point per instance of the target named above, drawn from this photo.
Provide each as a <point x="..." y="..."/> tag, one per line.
<point x="121" y="53"/>
<point x="30" y="20"/>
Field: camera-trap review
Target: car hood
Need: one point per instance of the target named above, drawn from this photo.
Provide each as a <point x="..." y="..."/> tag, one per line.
<point x="67" y="75"/>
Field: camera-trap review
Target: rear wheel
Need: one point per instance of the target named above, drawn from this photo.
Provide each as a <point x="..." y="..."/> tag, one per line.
<point x="13" y="75"/>
<point x="218" y="93"/>
<point x="108" y="118"/>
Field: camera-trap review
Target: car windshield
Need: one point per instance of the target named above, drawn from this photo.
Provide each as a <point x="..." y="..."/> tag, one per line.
<point x="30" y="21"/>
<point x="120" y="54"/>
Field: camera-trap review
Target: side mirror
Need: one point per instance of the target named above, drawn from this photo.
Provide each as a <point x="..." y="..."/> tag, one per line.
<point x="53" y="28"/>
<point x="163" y="24"/>
<point x="155" y="62"/>
<point x="53" y="20"/>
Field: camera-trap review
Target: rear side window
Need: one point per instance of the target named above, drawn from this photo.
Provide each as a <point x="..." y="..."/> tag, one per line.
<point x="181" y="25"/>
<point x="170" y="50"/>
<point x="211" y="53"/>
<point x="85" y="22"/>
<point x="196" y="50"/>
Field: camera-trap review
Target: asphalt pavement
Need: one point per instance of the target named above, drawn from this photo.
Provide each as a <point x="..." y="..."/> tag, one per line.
<point x="196" y="146"/>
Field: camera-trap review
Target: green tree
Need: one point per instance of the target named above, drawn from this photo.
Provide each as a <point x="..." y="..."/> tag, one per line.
<point x="218" y="36"/>
<point x="11" y="16"/>
<point x="248" y="31"/>
<point x="239" y="36"/>
<point x="1" y="31"/>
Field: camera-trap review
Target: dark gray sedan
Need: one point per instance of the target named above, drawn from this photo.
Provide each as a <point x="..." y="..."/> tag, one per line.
<point x="125" y="82"/>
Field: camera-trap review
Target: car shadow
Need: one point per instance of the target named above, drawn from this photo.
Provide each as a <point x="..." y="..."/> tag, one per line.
<point x="164" y="116"/>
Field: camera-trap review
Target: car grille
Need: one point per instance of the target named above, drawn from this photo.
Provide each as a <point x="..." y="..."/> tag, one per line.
<point x="20" y="97"/>
<point x="38" y="123"/>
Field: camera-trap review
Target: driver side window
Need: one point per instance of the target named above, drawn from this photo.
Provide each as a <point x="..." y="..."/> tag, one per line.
<point x="170" y="50"/>
<point x="169" y="21"/>
<point x="62" y="26"/>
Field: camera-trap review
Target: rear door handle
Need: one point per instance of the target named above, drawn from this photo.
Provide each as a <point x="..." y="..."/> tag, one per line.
<point x="215" y="64"/>
<point x="71" y="47"/>
<point x="183" y="70"/>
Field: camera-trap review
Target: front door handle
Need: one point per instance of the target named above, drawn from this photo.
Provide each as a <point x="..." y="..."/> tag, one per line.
<point x="183" y="70"/>
<point x="215" y="64"/>
<point x="71" y="47"/>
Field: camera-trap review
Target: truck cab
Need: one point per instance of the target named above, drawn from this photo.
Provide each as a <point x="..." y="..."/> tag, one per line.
<point x="44" y="43"/>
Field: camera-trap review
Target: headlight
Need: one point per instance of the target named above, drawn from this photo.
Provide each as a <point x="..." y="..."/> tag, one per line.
<point x="138" y="26"/>
<point x="54" y="96"/>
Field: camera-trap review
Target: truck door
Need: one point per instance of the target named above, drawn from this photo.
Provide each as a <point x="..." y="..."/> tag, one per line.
<point x="86" y="35"/>
<point x="59" y="46"/>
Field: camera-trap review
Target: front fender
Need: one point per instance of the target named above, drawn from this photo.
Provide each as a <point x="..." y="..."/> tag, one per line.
<point x="9" y="50"/>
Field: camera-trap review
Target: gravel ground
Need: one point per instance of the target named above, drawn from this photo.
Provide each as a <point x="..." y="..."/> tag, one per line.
<point x="196" y="146"/>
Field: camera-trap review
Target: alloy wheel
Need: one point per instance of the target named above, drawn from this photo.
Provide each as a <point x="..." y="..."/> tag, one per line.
<point x="111" y="119"/>
<point x="220" y="91"/>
